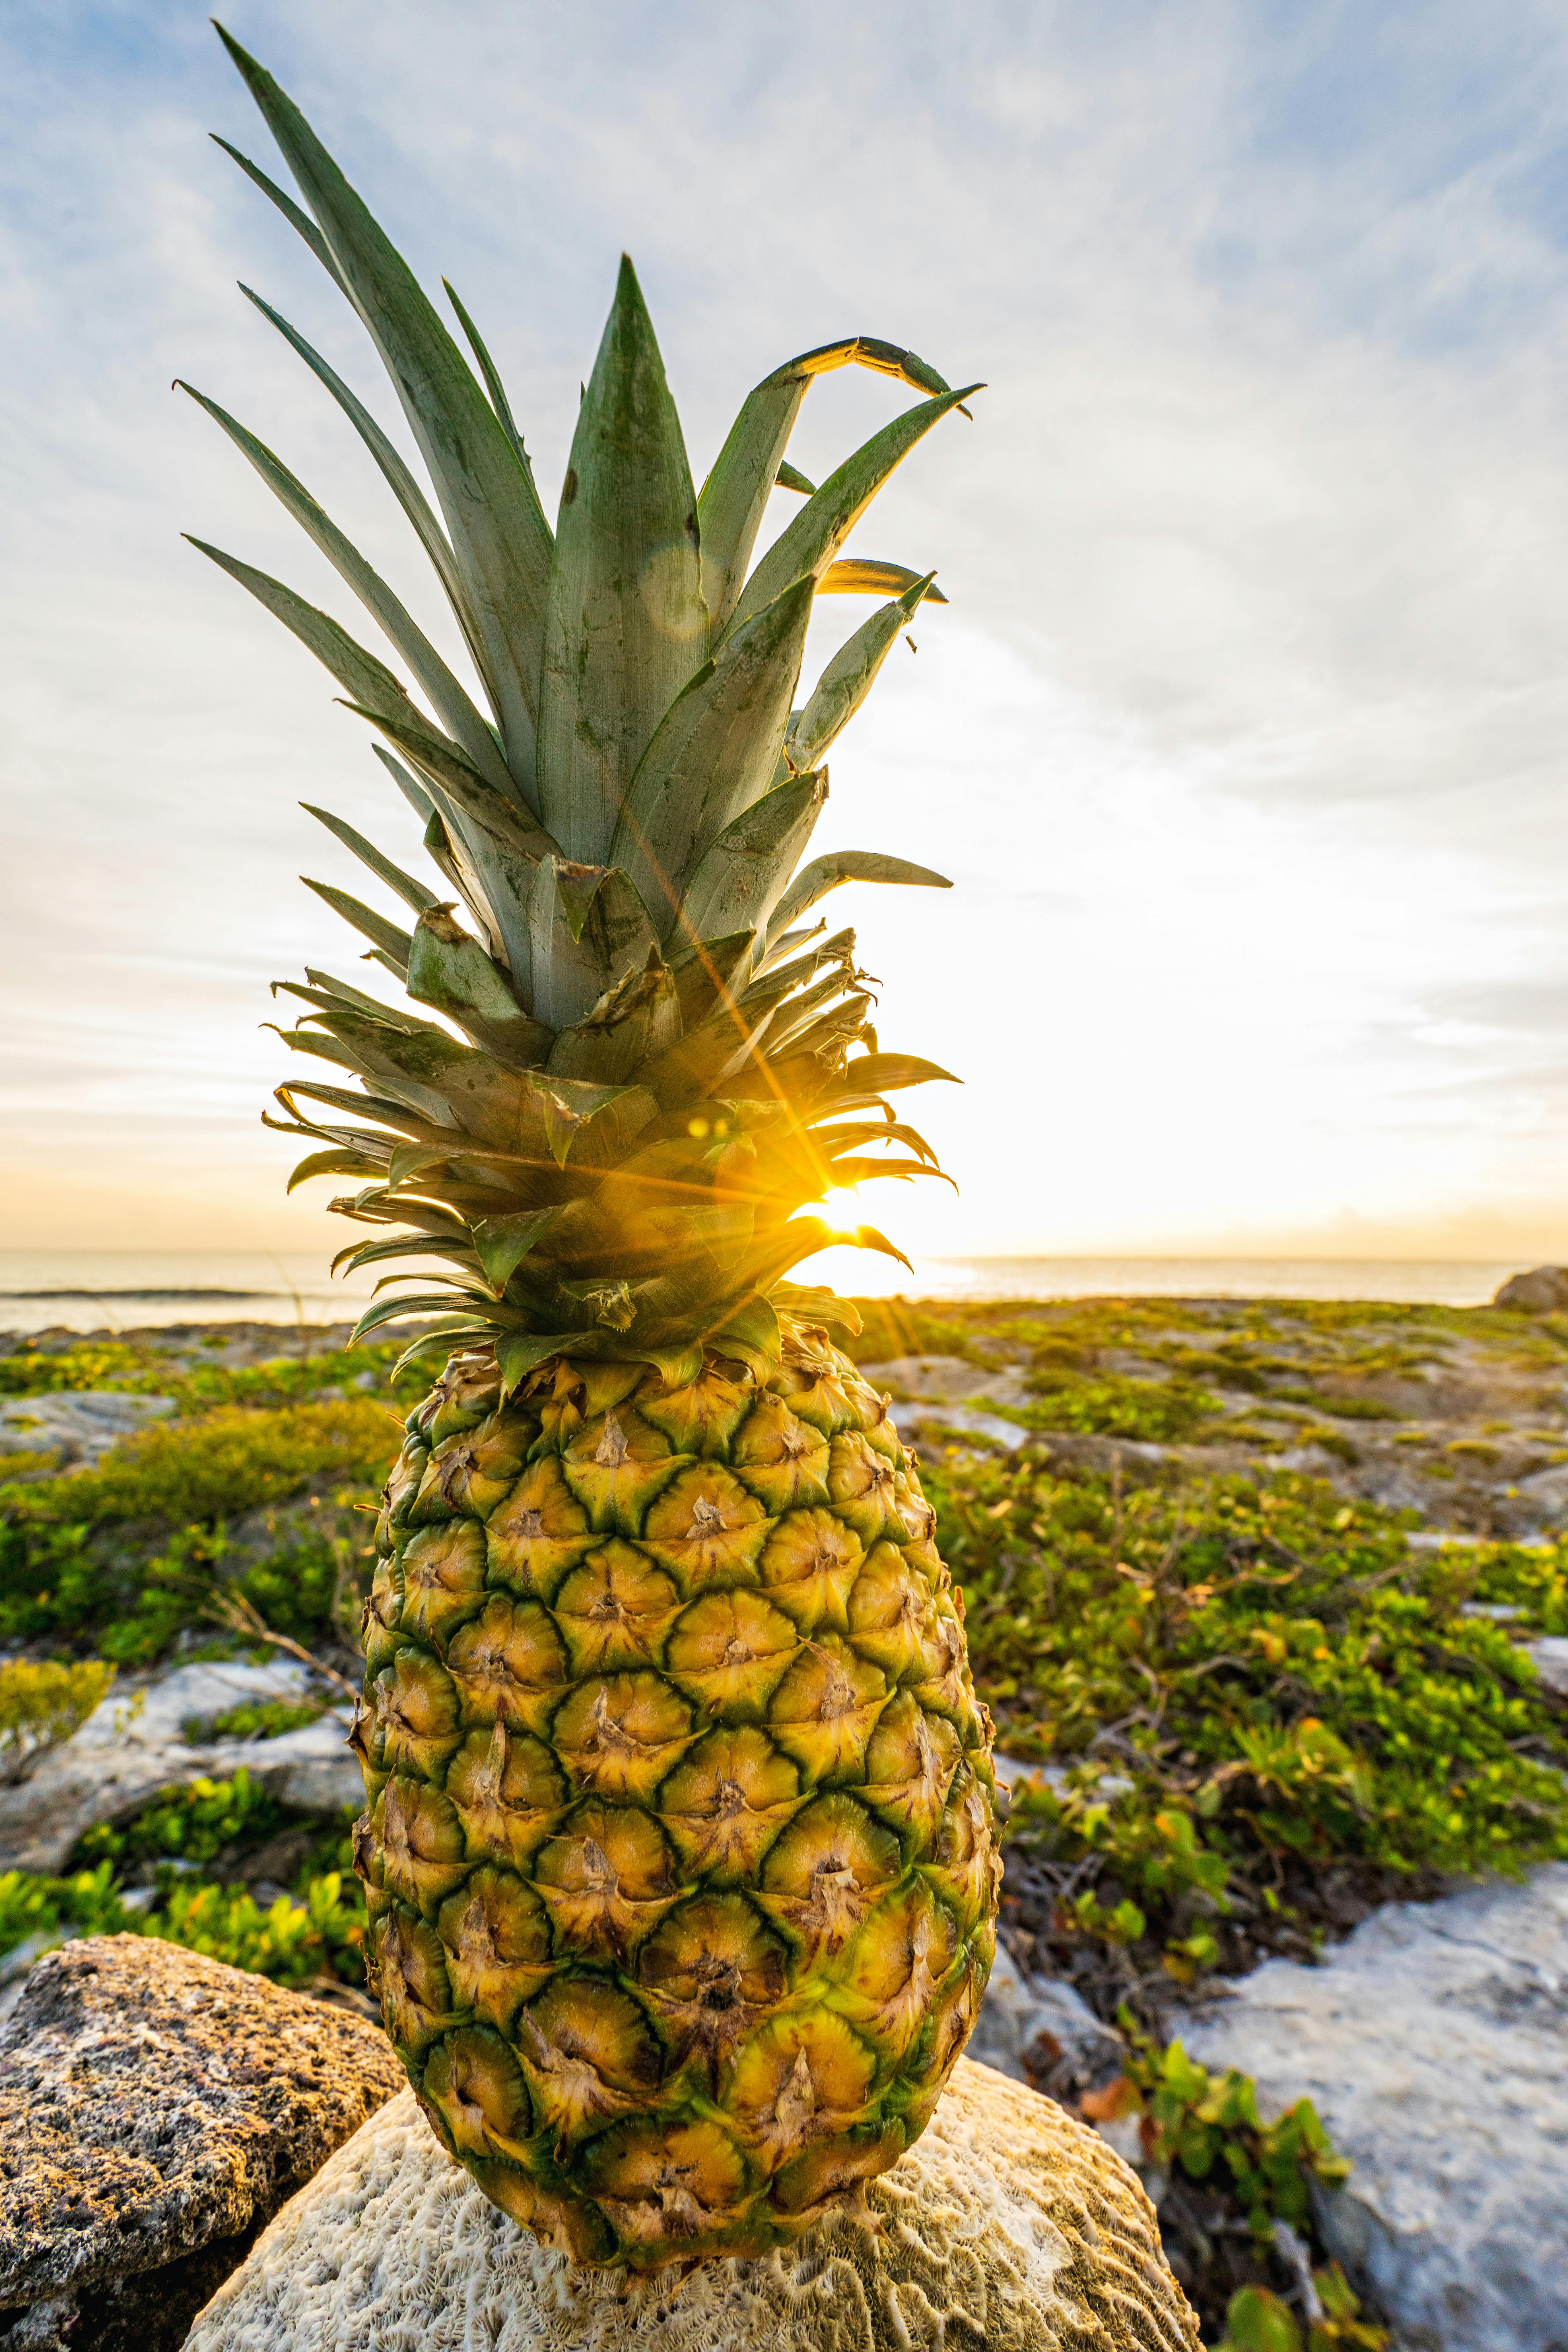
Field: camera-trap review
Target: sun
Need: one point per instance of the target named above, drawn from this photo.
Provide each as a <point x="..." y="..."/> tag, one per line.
<point x="843" y="1205"/>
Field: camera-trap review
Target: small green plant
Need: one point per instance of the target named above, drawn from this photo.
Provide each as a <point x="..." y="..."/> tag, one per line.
<point x="42" y="1706"/>
<point x="1260" y="2321"/>
<point x="88" y="1901"/>
<point x="193" y="1824"/>
<point x="265" y="1718"/>
<point x="1157" y="1411"/>
<point x="1201" y="2121"/>
<point x="291" y="1942"/>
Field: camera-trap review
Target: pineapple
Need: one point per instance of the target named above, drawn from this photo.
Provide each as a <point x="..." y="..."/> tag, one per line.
<point x="680" y="1849"/>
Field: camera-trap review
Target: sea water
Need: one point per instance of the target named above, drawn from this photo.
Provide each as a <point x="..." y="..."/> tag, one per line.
<point x="116" y="1290"/>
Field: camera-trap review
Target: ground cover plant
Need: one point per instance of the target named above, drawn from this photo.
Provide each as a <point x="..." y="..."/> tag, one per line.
<point x="1264" y="1708"/>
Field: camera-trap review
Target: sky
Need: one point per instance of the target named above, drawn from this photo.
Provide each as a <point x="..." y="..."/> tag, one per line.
<point x="1242" y="737"/>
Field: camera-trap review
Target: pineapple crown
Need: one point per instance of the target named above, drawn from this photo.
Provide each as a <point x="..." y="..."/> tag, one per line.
<point x="649" y="1058"/>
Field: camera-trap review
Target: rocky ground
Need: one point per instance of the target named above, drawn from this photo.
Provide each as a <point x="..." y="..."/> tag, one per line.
<point x="1075" y="1449"/>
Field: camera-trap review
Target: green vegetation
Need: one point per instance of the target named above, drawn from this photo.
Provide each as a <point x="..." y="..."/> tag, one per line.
<point x="29" y="1371"/>
<point x="42" y="1704"/>
<point x="132" y="1550"/>
<point x="193" y="1824"/>
<point x="265" y="1718"/>
<point x="191" y="1846"/>
<point x="1158" y="1413"/>
<point x="1259" y="2321"/>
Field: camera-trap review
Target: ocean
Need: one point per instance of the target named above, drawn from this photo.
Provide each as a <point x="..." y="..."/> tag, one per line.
<point x="115" y="1290"/>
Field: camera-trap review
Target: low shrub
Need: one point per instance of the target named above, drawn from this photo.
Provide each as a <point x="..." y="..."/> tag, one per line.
<point x="292" y="1943"/>
<point x="133" y="1549"/>
<point x="1160" y="1412"/>
<point x="194" y="1824"/>
<point x="262" y="1718"/>
<point x="41" y="1706"/>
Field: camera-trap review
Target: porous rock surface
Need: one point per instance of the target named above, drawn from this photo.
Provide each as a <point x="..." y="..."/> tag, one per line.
<point x="1433" y="2044"/>
<point x="155" y="2108"/>
<point x="1007" y="2227"/>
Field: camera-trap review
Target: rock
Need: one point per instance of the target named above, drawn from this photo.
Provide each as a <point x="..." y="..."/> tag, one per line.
<point x="156" y="2109"/>
<point x="1433" y="2044"/>
<point x="81" y="1424"/>
<point x="133" y="1745"/>
<point x="1008" y="2227"/>
<point x="1038" y="2030"/>
<point x="1549" y="1653"/>
<point x="952" y="1391"/>
<point x="1542" y="1291"/>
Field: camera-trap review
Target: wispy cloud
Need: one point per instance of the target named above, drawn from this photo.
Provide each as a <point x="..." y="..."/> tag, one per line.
<point x="1243" y="736"/>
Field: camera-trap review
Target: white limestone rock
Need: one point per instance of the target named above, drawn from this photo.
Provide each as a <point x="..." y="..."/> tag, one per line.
<point x="1008" y="2227"/>
<point x="133" y="1745"/>
<point x="1434" y="2043"/>
<point x="78" y="1424"/>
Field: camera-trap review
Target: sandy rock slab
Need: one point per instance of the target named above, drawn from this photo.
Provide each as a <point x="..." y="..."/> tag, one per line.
<point x="1008" y="2227"/>
<point x="156" y="2109"/>
<point x="1434" y="2043"/>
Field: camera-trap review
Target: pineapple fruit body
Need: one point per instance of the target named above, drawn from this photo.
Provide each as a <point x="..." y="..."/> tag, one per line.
<point x="678" y="1848"/>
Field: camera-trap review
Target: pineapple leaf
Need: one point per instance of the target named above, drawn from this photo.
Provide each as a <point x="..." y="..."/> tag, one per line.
<point x="331" y="1163"/>
<point x="752" y="1333"/>
<point x="412" y="894"/>
<point x="430" y="1302"/>
<point x="863" y="575"/>
<point x="412" y="790"/>
<point x="807" y="1303"/>
<point x="714" y="751"/>
<point x="451" y="971"/>
<point x="394" y="943"/>
<point x="738" y="879"/>
<point x="518" y="1353"/>
<point x="451" y="856"/>
<point x="825" y="874"/>
<point x="847" y="680"/>
<point x="367" y="679"/>
<point x="637" y="1016"/>
<point x="491" y="375"/>
<point x="850" y="867"/>
<point x="390" y="614"/>
<point x="877" y="1074"/>
<point x="735" y="494"/>
<point x="813" y="540"/>
<point x="290" y="211"/>
<point x="586" y="926"/>
<point x="625" y="625"/>
<point x="398" y="478"/>
<point x="502" y="1242"/>
<point x="702" y="975"/>
<point x="362" y="1253"/>
<point x="500" y="540"/>
<point x="444" y="764"/>
<point x="789" y="478"/>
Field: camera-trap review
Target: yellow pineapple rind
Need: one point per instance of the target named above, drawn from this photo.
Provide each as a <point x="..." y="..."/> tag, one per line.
<point x="679" y="1844"/>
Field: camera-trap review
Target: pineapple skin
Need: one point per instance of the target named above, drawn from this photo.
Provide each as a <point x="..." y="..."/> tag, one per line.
<point x="680" y="1846"/>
